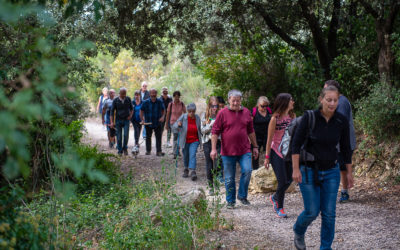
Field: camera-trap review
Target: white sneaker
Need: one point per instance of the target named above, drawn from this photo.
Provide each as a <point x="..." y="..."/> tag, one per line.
<point x="169" y="145"/>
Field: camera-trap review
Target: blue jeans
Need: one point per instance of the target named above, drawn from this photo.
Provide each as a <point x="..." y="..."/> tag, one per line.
<point x="319" y="198"/>
<point x="189" y="155"/>
<point x="119" y="125"/>
<point x="229" y="163"/>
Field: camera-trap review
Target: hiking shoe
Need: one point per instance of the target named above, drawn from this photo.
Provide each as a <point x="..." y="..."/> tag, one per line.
<point x="244" y="201"/>
<point x="119" y="153"/>
<point x="193" y="175"/>
<point x="274" y="203"/>
<point x="344" y="197"/>
<point x="110" y="144"/>
<point x="299" y="242"/>
<point x="160" y="154"/>
<point x="125" y="151"/>
<point x="185" y="173"/>
<point x="281" y="213"/>
<point x="230" y="205"/>
<point x="148" y="153"/>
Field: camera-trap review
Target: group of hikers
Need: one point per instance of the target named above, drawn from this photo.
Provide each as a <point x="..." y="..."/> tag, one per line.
<point x="318" y="156"/>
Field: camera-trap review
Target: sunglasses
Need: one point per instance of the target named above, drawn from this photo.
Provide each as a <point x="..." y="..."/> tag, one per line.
<point x="264" y="106"/>
<point x="214" y="106"/>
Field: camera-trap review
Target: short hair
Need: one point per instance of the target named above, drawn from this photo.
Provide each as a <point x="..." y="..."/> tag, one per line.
<point x="262" y="99"/>
<point x="122" y="89"/>
<point x="333" y="83"/>
<point x="221" y="99"/>
<point x="234" y="93"/>
<point x="178" y="93"/>
<point x="144" y="82"/>
<point x="153" y="89"/>
<point x="112" y="90"/>
<point x="164" y="88"/>
<point x="104" y="89"/>
<point x="137" y="92"/>
<point x="191" y="106"/>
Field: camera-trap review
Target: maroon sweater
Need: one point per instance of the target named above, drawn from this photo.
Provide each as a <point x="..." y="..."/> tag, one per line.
<point x="234" y="128"/>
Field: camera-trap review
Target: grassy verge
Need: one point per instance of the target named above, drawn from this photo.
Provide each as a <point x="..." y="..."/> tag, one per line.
<point x="118" y="216"/>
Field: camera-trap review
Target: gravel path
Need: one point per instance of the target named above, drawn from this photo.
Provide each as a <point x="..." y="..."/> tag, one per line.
<point x="371" y="220"/>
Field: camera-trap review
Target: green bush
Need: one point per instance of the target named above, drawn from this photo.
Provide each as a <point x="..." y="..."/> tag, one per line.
<point x="101" y="162"/>
<point x="378" y="114"/>
<point x="19" y="229"/>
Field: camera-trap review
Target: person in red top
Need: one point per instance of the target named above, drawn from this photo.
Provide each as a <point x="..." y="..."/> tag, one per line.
<point x="188" y="126"/>
<point x="235" y="126"/>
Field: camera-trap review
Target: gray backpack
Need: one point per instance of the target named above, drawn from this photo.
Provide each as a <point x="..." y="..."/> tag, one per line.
<point x="285" y="147"/>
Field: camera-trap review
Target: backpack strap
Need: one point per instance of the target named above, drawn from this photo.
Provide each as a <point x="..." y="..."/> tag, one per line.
<point x="269" y="110"/>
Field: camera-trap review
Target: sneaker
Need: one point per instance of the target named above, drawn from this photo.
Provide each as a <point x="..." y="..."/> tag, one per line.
<point x="281" y="213"/>
<point x="174" y="157"/>
<point x="148" y="153"/>
<point x="185" y="173"/>
<point x="125" y="151"/>
<point x="299" y="242"/>
<point x="230" y="205"/>
<point x="110" y="144"/>
<point x="193" y="175"/>
<point x="274" y="203"/>
<point x="119" y="153"/>
<point x="169" y="145"/>
<point x="344" y="197"/>
<point x="160" y="154"/>
<point x="244" y="201"/>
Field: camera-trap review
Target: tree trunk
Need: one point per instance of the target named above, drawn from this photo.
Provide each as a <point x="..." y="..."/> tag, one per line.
<point x="386" y="58"/>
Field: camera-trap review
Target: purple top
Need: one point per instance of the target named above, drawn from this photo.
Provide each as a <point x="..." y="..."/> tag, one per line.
<point x="234" y="128"/>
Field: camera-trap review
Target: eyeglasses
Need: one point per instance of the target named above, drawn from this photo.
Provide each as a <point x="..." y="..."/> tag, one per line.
<point x="264" y="106"/>
<point x="292" y="99"/>
<point x="214" y="106"/>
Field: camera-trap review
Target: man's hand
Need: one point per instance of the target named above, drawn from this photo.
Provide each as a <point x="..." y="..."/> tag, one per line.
<point x="129" y="118"/>
<point x="350" y="180"/>
<point x="213" y="154"/>
<point x="161" y="119"/>
<point x="179" y="124"/>
<point x="111" y="125"/>
<point x="255" y="153"/>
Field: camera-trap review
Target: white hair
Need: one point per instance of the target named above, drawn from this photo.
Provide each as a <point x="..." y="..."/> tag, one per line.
<point x="112" y="90"/>
<point x="143" y="83"/>
<point x="234" y="93"/>
<point x="105" y="89"/>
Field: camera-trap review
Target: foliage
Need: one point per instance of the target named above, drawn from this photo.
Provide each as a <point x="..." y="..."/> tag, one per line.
<point x="18" y="229"/>
<point x="378" y="114"/>
<point x="119" y="216"/>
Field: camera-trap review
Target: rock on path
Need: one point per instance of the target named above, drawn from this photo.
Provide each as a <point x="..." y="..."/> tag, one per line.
<point x="360" y="224"/>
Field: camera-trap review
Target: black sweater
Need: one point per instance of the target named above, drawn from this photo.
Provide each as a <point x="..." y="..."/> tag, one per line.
<point x="324" y="139"/>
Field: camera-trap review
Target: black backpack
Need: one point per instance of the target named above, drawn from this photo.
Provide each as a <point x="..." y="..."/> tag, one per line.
<point x="285" y="147"/>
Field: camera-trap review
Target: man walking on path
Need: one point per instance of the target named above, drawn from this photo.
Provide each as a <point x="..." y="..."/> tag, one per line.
<point x="344" y="107"/>
<point x="235" y="126"/>
<point x="152" y="113"/>
<point x="166" y="100"/>
<point x="123" y="110"/>
<point x="144" y="95"/>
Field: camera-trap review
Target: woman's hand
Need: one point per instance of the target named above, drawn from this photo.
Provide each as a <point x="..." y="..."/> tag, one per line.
<point x="266" y="163"/>
<point x="213" y="154"/>
<point x="296" y="176"/>
<point x="179" y="124"/>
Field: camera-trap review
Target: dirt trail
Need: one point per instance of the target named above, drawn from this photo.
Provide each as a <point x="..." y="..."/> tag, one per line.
<point x="370" y="221"/>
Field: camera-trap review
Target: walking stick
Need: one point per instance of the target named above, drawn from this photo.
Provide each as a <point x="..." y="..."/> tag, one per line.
<point x="177" y="153"/>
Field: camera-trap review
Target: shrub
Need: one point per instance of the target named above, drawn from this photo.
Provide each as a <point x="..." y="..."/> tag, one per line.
<point x="378" y="114"/>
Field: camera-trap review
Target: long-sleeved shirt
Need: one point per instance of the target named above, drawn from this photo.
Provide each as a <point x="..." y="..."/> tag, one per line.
<point x="324" y="138"/>
<point x="121" y="108"/>
<point x="234" y="128"/>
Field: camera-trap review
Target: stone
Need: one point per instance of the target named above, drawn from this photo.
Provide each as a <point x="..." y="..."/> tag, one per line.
<point x="264" y="181"/>
<point x="193" y="197"/>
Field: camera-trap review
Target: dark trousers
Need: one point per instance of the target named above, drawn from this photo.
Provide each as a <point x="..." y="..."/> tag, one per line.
<point x="261" y="142"/>
<point x="149" y="133"/>
<point x="137" y="127"/>
<point x="283" y="172"/>
<point x="213" y="168"/>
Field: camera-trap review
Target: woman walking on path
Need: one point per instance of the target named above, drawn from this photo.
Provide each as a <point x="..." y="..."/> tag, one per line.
<point x="261" y="118"/>
<point x="213" y="169"/>
<point x="175" y="109"/>
<point x="136" y="121"/>
<point x="281" y="118"/>
<point x="189" y="140"/>
<point x="319" y="179"/>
